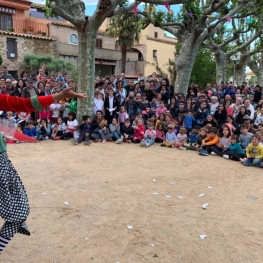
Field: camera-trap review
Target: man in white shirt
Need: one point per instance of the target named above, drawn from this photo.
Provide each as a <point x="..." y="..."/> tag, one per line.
<point x="249" y="107"/>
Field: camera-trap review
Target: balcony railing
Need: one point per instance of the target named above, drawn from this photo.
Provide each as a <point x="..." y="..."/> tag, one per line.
<point x="30" y="27"/>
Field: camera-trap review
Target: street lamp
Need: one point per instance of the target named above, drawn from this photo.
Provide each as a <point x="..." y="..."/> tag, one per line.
<point x="235" y="60"/>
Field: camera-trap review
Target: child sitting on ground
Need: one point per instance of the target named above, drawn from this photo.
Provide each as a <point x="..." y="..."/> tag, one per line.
<point x="245" y="136"/>
<point x="30" y="130"/>
<point x="115" y="130"/>
<point x="10" y="117"/>
<point x="254" y="153"/>
<point x="44" y="130"/>
<point x="223" y="143"/>
<point x="23" y="116"/>
<point x="170" y="138"/>
<point x="104" y="132"/>
<point x="139" y="131"/>
<point x="85" y="131"/>
<point x="182" y="139"/>
<point x="127" y="131"/>
<point x="200" y="137"/>
<point x="149" y="136"/>
<point x="234" y="151"/>
<point x="160" y="135"/>
<point x="57" y="129"/>
<point x="210" y="140"/>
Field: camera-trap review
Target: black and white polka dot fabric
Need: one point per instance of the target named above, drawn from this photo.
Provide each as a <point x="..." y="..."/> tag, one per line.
<point x="14" y="206"/>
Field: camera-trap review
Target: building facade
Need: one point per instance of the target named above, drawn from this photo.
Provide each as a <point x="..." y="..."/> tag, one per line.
<point x="21" y="34"/>
<point x="25" y="30"/>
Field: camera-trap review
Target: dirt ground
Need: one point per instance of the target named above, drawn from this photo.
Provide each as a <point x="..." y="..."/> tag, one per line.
<point x="109" y="187"/>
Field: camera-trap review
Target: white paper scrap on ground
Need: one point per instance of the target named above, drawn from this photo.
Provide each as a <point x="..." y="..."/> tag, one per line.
<point x="155" y="193"/>
<point x="152" y="245"/>
<point x="66" y="202"/>
<point x="167" y="196"/>
<point x="201" y="195"/>
<point x="129" y="227"/>
<point x="203" y="236"/>
<point x="204" y="205"/>
<point x="43" y="193"/>
<point x="154" y="180"/>
<point x="171" y="183"/>
<point x="180" y="197"/>
<point x="209" y="187"/>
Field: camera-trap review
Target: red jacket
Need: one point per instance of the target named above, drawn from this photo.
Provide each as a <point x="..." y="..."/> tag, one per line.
<point x="139" y="133"/>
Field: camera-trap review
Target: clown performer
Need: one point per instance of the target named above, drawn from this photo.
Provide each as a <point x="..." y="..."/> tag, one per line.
<point x="14" y="206"/>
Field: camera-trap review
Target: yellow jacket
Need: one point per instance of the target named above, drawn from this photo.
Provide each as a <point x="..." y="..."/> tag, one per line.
<point x="254" y="151"/>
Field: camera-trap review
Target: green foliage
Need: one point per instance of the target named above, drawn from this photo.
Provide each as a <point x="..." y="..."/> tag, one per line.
<point x="49" y="12"/>
<point x="34" y="63"/>
<point x="204" y="69"/>
<point x="126" y="29"/>
<point x="1" y="60"/>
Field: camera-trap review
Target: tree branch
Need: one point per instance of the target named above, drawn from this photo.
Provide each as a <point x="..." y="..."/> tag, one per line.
<point x="126" y="9"/>
<point x="69" y="11"/>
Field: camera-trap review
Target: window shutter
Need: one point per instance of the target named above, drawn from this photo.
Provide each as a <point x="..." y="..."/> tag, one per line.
<point x="11" y="47"/>
<point x="98" y="43"/>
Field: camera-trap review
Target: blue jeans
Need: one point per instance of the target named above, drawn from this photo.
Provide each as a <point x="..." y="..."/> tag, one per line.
<point x="116" y="135"/>
<point x="253" y="162"/>
<point x="149" y="142"/>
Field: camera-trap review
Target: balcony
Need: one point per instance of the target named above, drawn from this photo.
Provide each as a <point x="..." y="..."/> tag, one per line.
<point x="29" y="27"/>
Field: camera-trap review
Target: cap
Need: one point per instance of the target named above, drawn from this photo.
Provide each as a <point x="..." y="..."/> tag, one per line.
<point x="246" y="117"/>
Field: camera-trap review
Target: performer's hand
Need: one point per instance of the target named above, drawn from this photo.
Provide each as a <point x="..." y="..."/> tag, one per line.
<point x="68" y="93"/>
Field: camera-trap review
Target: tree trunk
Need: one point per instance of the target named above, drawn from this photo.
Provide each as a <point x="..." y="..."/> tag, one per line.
<point x="123" y="58"/>
<point x="260" y="73"/>
<point x="184" y="63"/>
<point x="221" y="59"/>
<point x="240" y="74"/>
<point x="86" y="70"/>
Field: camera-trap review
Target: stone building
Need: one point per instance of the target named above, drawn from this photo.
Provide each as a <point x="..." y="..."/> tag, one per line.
<point x="25" y="30"/>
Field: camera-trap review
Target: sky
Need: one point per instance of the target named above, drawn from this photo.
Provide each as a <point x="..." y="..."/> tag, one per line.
<point x="91" y="6"/>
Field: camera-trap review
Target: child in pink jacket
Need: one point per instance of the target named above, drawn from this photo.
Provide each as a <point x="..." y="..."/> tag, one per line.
<point x="160" y="135"/>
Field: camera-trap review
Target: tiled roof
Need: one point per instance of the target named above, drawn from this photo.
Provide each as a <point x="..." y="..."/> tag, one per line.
<point x="62" y="24"/>
<point x="24" y="35"/>
<point x="250" y="73"/>
<point x="36" y="5"/>
<point x="162" y="40"/>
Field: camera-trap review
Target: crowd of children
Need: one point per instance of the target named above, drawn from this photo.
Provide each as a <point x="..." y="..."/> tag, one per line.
<point x="223" y="120"/>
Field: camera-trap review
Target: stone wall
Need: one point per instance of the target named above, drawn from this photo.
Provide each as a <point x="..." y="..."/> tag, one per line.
<point x="26" y="45"/>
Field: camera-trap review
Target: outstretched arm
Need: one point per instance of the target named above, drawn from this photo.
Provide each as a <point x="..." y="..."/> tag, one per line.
<point x="9" y="103"/>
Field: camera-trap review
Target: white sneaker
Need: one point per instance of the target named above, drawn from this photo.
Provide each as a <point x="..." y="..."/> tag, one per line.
<point x="213" y="153"/>
<point x="142" y="144"/>
<point x="226" y="156"/>
<point x="119" y="141"/>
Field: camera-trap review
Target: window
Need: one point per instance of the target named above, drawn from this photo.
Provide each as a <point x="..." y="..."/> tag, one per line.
<point x="5" y="22"/>
<point x="73" y="39"/>
<point x="99" y="43"/>
<point x="11" y="47"/>
<point x="155" y="34"/>
<point x="154" y="53"/>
